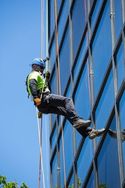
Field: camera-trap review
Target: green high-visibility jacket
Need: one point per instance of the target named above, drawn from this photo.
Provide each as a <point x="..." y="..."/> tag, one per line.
<point x="40" y="81"/>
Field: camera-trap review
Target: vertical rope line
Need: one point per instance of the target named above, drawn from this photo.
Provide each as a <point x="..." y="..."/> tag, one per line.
<point x="91" y="84"/>
<point x="113" y="35"/>
<point x="39" y="123"/>
<point x="59" y="83"/>
<point x="72" y="87"/>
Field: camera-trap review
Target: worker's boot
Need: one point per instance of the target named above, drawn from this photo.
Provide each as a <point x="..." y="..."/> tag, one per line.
<point x="95" y="133"/>
<point x="80" y="123"/>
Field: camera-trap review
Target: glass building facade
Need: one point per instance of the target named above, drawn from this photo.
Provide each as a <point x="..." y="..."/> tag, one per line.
<point x="87" y="62"/>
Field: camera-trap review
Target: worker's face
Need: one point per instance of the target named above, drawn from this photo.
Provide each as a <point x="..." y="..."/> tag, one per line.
<point x="37" y="68"/>
<point x="41" y="70"/>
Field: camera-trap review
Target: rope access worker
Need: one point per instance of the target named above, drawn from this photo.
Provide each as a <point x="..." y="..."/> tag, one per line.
<point x="38" y="87"/>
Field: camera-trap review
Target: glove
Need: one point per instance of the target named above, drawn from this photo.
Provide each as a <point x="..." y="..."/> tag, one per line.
<point x="47" y="75"/>
<point x="37" y="101"/>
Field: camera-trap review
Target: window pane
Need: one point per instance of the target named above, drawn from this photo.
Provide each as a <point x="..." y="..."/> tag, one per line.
<point x="101" y="49"/>
<point x="54" y="138"/>
<point x="82" y="101"/>
<point x="52" y="54"/>
<point x="54" y="83"/>
<point x="118" y="17"/>
<point x="51" y="17"/>
<point x="68" y="146"/>
<point x="78" y="21"/>
<point x="59" y="4"/>
<point x="71" y="183"/>
<point x="108" y="169"/>
<point x="61" y="164"/>
<point x="105" y="104"/>
<point x="54" y="172"/>
<point x="91" y="182"/>
<point x="122" y="121"/>
<point x="68" y="151"/>
<point x="65" y="62"/>
<point x="80" y="59"/>
<point x="85" y="159"/>
<point x="95" y="13"/>
<point x="120" y="65"/>
<point x="63" y="19"/>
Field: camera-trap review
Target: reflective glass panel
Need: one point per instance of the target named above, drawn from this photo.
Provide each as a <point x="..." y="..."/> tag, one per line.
<point x="78" y="21"/>
<point x="51" y="17"/>
<point x="101" y="48"/>
<point x="54" y="172"/>
<point x="118" y="17"/>
<point x="108" y="168"/>
<point x="65" y="62"/>
<point x="63" y="18"/>
<point x="85" y="159"/>
<point x="122" y="121"/>
<point x="105" y="104"/>
<point x="120" y="65"/>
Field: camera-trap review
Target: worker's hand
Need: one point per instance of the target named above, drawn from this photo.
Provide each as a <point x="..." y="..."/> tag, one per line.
<point x="47" y="75"/>
<point x="37" y="101"/>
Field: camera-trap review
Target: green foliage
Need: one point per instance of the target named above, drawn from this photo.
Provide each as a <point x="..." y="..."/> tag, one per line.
<point x="23" y="185"/>
<point x="2" y="180"/>
<point x="5" y="184"/>
<point x="10" y="185"/>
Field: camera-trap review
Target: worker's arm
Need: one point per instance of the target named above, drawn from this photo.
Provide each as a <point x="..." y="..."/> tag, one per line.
<point x="33" y="88"/>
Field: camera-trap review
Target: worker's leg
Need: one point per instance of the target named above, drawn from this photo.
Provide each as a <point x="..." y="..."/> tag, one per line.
<point x="63" y="106"/>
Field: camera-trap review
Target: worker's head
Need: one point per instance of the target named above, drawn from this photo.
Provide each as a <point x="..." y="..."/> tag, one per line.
<point x="38" y="64"/>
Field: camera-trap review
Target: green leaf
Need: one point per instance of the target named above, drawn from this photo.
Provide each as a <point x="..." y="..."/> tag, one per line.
<point x="11" y="185"/>
<point x="2" y="180"/>
<point x="23" y="185"/>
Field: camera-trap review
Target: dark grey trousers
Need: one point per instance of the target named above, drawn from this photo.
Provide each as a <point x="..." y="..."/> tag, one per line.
<point x="58" y="104"/>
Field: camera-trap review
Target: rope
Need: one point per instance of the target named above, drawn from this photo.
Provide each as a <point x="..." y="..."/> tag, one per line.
<point x="39" y="121"/>
<point x="41" y="170"/>
<point x="59" y="84"/>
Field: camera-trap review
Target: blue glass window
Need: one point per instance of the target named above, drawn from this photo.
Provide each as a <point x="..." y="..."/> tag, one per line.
<point x="118" y="17"/>
<point x="78" y="21"/>
<point x="65" y="62"/>
<point x="95" y="13"/>
<point x="54" y="138"/>
<point x="59" y="2"/>
<point x="82" y="100"/>
<point x="122" y="121"/>
<point x="91" y="182"/>
<point x="63" y="18"/>
<point x="101" y="49"/>
<point x="54" y="83"/>
<point x="68" y="146"/>
<point x="80" y="59"/>
<point x="61" y="164"/>
<point x="105" y="104"/>
<point x="85" y="159"/>
<point x="52" y="54"/>
<point x="68" y="151"/>
<point x="71" y="183"/>
<point x="120" y="65"/>
<point x="54" y="171"/>
<point x="51" y="17"/>
<point x="108" y="161"/>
